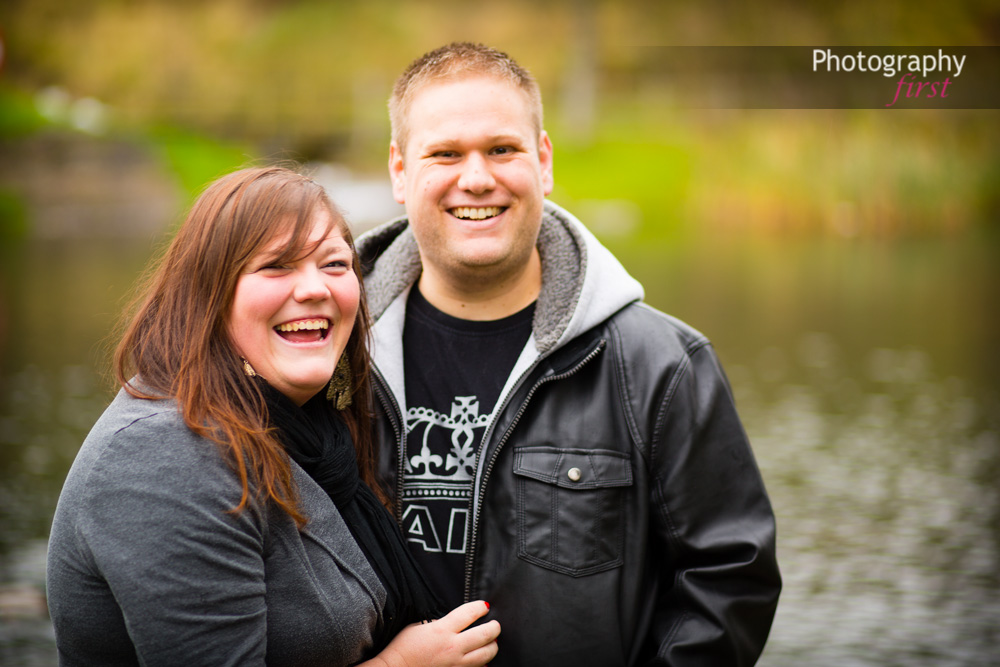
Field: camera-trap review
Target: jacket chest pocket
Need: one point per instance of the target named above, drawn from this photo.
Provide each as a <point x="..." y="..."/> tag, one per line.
<point x="569" y="507"/>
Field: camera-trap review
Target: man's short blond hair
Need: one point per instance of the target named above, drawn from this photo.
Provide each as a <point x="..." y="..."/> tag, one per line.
<point x="454" y="62"/>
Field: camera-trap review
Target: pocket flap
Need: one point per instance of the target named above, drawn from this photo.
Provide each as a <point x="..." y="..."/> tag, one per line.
<point x="574" y="468"/>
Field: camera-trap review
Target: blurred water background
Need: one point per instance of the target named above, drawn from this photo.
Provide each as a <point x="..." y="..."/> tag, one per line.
<point x="844" y="262"/>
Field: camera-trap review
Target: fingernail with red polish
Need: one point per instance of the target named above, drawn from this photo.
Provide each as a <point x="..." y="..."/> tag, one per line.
<point x="487" y="604"/>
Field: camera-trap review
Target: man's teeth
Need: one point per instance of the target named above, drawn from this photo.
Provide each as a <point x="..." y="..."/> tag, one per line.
<point x="303" y="324"/>
<point x="470" y="213"/>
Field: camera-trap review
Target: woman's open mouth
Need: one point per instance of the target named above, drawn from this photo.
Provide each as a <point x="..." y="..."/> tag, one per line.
<point x="304" y="331"/>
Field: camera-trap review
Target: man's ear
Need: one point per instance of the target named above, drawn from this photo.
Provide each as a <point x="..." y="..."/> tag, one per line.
<point x="396" y="173"/>
<point x="545" y="160"/>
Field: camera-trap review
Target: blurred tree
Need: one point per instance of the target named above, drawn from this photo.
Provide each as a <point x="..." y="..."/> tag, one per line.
<point x="308" y="79"/>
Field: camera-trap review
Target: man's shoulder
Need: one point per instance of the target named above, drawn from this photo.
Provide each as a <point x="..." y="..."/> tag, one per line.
<point x="390" y="263"/>
<point x="373" y="243"/>
<point x="640" y="327"/>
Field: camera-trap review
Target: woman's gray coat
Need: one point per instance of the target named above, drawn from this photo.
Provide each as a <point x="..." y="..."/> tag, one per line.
<point x="148" y="564"/>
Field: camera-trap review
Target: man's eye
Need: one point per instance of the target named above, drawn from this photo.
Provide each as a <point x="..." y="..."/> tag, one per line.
<point x="501" y="150"/>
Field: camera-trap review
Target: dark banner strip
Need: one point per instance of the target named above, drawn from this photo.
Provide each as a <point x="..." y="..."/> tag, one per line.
<point x="826" y="77"/>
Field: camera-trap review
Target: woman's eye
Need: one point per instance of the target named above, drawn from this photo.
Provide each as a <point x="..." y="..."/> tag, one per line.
<point x="339" y="264"/>
<point x="273" y="267"/>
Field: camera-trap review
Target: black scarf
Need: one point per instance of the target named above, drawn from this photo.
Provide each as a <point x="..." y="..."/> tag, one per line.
<point x="318" y="440"/>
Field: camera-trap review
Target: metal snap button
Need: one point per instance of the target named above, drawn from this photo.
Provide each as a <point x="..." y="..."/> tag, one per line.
<point x="574" y="474"/>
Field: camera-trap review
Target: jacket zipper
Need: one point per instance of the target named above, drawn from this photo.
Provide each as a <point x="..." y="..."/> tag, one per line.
<point x="391" y="407"/>
<point x="476" y="502"/>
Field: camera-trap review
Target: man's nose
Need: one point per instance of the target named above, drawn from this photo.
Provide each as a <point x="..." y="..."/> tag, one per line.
<point x="476" y="176"/>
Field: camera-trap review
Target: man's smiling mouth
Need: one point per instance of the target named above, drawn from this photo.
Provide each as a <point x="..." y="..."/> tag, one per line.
<point x="304" y="331"/>
<point x="476" y="213"/>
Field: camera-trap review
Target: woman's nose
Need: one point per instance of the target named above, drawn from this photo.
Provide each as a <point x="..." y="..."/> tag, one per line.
<point x="310" y="286"/>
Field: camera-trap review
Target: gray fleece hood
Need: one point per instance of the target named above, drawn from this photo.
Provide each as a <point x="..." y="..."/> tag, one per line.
<point x="582" y="285"/>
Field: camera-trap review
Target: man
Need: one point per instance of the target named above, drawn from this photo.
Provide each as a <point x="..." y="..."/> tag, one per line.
<point x="553" y="445"/>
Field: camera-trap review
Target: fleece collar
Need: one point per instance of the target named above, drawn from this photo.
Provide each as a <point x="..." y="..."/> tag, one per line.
<point x="582" y="282"/>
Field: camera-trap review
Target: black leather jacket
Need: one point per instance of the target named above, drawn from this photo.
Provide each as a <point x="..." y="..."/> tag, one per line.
<point x="618" y="516"/>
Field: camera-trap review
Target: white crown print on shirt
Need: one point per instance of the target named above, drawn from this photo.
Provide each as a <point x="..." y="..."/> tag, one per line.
<point x="459" y="462"/>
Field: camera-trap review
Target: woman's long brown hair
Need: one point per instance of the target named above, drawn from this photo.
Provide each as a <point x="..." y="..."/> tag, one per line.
<point x="176" y="344"/>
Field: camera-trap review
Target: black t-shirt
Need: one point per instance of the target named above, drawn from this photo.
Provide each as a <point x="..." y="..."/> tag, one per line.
<point x="455" y="370"/>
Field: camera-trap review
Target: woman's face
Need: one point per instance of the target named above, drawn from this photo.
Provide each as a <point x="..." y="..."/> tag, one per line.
<point x="292" y="321"/>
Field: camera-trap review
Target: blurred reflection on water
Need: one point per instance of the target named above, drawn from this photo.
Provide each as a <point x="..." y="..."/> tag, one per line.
<point x="878" y="439"/>
<point x="887" y="515"/>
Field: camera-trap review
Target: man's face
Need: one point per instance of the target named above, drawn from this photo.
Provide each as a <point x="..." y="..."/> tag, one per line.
<point x="473" y="175"/>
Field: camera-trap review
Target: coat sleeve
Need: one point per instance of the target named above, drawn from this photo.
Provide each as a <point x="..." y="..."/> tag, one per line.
<point x="186" y="572"/>
<point x="713" y="527"/>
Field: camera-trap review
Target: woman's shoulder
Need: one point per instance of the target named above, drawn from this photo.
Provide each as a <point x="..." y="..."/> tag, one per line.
<point x="142" y="427"/>
<point x="142" y="475"/>
<point x="126" y="410"/>
<point x="140" y="439"/>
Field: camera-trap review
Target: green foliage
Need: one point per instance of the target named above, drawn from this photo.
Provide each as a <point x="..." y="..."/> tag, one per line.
<point x="13" y="219"/>
<point x="18" y="115"/>
<point x="196" y="159"/>
<point x="653" y="176"/>
<point x="309" y="79"/>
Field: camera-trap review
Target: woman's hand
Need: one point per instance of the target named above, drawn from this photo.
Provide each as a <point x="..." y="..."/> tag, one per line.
<point x="443" y="643"/>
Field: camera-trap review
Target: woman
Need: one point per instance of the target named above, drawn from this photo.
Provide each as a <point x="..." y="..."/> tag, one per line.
<point x="218" y="512"/>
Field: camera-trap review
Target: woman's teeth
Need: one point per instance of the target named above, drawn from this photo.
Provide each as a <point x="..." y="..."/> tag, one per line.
<point x="304" y="331"/>
<point x="470" y="213"/>
<point x="303" y="325"/>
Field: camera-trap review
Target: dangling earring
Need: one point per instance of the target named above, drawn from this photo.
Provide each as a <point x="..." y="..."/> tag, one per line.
<point x="248" y="369"/>
<point x="339" y="389"/>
